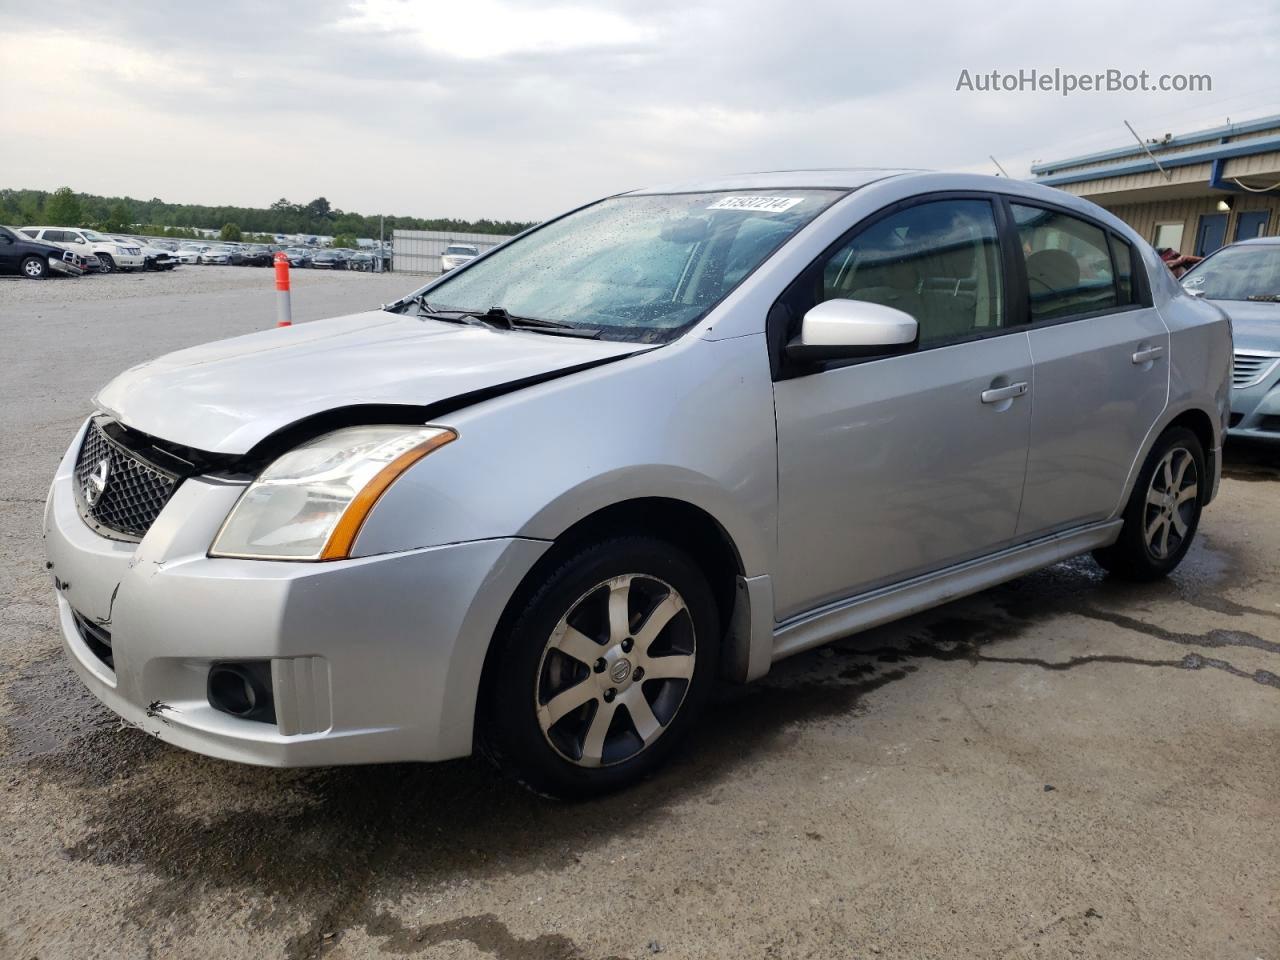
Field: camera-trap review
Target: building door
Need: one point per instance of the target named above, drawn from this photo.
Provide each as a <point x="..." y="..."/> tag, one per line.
<point x="1211" y="234"/>
<point x="1251" y="223"/>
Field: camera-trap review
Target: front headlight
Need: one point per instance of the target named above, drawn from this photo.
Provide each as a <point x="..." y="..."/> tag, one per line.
<point x="311" y="502"/>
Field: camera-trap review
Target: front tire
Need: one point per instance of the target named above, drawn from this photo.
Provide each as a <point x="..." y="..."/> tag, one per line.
<point x="1163" y="513"/>
<point x="597" y="675"/>
<point x="35" y="268"/>
<point x="105" y="263"/>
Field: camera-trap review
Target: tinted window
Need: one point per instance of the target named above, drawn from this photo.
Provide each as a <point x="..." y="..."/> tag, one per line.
<point x="1124" y="269"/>
<point x="937" y="261"/>
<point x="1068" y="263"/>
<point x="33" y="234"/>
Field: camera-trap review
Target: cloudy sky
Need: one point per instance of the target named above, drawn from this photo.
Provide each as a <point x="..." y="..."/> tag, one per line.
<point x="520" y="108"/>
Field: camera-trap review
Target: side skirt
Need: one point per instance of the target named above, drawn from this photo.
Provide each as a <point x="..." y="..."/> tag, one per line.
<point x="839" y="619"/>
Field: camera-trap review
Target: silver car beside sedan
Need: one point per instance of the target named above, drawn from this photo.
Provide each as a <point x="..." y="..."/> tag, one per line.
<point x="538" y="507"/>
<point x="1244" y="280"/>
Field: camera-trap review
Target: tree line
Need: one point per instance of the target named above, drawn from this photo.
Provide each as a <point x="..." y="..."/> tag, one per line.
<point x="65" y="207"/>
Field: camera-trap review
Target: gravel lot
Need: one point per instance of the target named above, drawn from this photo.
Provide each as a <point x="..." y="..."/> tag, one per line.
<point x="1061" y="767"/>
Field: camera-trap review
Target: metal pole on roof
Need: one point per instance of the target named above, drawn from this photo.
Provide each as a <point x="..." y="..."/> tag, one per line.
<point x="1143" y="144"/>
<point x="998" y="167"/>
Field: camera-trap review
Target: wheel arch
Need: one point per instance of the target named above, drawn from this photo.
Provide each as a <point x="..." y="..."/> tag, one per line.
<point x="683" y="524"/>
<point x="1196" y="419"/>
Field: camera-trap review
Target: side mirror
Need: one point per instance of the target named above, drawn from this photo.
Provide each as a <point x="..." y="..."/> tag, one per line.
<point x="848" y="329"/>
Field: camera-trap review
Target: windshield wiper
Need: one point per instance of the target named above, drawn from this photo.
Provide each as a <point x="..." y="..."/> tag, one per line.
<point x="501" y="319"/>
<point x="425" y="309"/>
<point x="505" y="320"/>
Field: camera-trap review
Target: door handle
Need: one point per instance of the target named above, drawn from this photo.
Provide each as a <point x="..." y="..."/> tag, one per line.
<point x="1147" y="354"/>
<point x="998" y="394"/>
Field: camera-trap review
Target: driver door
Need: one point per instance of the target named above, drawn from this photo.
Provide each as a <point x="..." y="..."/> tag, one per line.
<point x="893" y="467"/>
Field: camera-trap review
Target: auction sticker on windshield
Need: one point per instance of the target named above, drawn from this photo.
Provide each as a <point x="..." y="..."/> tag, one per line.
<point x="758" y="204"/>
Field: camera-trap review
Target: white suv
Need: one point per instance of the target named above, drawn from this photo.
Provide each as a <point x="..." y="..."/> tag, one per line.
<point x="112" y="254"/>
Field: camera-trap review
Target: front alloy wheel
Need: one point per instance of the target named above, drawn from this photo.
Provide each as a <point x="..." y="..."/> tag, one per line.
<point x="615" y="670"/>
<point x="601" y="666"/>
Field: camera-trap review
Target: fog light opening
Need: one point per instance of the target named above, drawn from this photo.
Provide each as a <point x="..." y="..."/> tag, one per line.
<point x="242" y="690"/>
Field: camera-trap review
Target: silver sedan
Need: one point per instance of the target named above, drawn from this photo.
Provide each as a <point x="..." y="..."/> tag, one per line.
<point x="539" y="506"/>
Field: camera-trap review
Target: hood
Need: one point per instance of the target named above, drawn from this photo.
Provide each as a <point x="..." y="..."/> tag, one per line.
<point x="1254" y="325"/>
<point x="225" y="397"/>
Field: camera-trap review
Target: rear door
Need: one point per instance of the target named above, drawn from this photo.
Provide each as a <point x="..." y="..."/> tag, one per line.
<point x="902" y="465"/>
<point x="1101" y="356"/>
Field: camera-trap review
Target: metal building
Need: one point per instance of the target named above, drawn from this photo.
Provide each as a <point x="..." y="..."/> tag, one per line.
<point x="1192" y="192"/>
<point x="418" y="251"/>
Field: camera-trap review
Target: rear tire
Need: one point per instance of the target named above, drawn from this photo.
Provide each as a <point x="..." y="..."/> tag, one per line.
<point x="1163" y="513"/>
<point x="598" y="674"/>
<point x="35" y="268"/>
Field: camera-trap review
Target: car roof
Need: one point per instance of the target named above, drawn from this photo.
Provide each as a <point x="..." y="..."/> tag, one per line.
<point x="1255" y="241"/>
<point x="838" y="178"/>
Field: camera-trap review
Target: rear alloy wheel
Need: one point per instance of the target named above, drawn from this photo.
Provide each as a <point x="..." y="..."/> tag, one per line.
<point x="106" y="264"/>
<point x="603" y="669"/>
<point x="35" y="268"/>
<point x="1163" y="512"/>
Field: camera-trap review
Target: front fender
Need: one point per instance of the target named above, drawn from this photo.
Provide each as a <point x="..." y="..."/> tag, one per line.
<point x="692" y="421"/>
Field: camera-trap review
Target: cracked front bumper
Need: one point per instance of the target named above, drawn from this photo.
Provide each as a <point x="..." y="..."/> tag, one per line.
<point x="373" y="659"/>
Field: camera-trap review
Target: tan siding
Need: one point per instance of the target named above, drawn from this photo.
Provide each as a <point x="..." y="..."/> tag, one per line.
<point x="1143" y="217"/>
<point x="1196" y="173"/>
<point x="1258" y="165"/>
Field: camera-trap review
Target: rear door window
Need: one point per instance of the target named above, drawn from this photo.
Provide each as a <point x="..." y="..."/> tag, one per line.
<point x="1068" y="263"/>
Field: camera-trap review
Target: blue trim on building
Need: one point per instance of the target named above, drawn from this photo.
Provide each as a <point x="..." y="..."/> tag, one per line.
<point x="1144" y="164"/>
<point x="1201" y="136"/>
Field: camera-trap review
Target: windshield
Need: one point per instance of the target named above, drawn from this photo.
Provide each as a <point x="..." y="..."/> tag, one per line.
<point x="93" y="235"/>
<point x="468" y="251"/>
<point x="1238" y="273"/>
<point x="633" y="267"/>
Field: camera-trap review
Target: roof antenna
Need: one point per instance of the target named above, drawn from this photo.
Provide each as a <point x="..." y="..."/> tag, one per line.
<point x="1002" y="170"/>
<point x="1167" y="174"/>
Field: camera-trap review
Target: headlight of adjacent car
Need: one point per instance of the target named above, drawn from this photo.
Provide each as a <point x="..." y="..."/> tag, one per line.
<point x="310" y="503"/>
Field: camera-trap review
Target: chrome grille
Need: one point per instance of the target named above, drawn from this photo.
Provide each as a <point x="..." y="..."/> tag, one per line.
<point x="1249" y="368"/>
<point x="130" y="495"/>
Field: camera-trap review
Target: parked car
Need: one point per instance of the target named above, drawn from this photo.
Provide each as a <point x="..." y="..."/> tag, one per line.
<point x="1244" y="280"/>
<point x="361" y="260"/>
<point x="191" y="252"/>
<point x="258" y="255"/>
<point x="456" y="254"/>
<point x="35" y="259"/>
<point x="112" y="255"/>
<point x="539" y="505"/>
<point x="298" y="256"/>
<point x="223" y="253"/>
<point x="328" y="260"/>
<point x="153" y="257"/>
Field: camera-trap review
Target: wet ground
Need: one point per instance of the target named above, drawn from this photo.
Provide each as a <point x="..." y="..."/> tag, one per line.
<point x="1065" y="766"/>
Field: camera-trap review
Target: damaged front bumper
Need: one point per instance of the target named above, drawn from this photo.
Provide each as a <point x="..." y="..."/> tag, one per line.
<point x="371" y="660"/>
